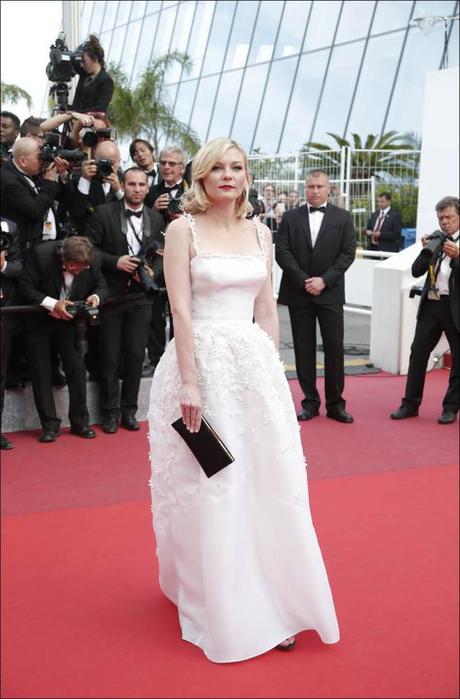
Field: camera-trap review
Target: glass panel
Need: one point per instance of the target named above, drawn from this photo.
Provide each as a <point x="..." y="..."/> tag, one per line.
<point x="96" y="19"/>
<point x="203" y="103"/>
<point x="138" y="9"/>
<point x="248" y="106"/>
<point x="391" y="15"/>
<point x="354" y="20"/>
<point x="84" y="20"/>
<point x="304" y="100"/>
<point x="152" y="6"/>
<point x="265" y="32"/>
<point x="421" y="53"/>
<point x="199" y="35"/>
<point x="164" y="31"/>
<point x="323" y="20"/>
<point x="375" y="84"/>
<point x="225" y="104"/>
<point x="218" y="38"/>
<point x="338" y="90"/>
<point x="131" y="43"/>
<point x="145" y="44"/>
<point x="428" y="8"/>
<point x="241" y="34"/>
<point x="180" y="36"/>
<point x="118" y="38"/>
<point x="110" y="14"/>
<point x="123" y="12"/>
<point x="292" y="28"/>
<point x="184" y="101"/>
<point x="274" y="106"/>
<point x="454" y="52"/>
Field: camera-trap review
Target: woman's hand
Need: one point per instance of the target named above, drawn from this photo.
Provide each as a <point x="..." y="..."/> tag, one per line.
<point x="190" y="403"/>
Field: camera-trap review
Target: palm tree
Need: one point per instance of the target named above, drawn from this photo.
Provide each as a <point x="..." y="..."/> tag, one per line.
<point x="143" y="111"/>
<point x="13" y="93"/>
<point x="373" y="155"/>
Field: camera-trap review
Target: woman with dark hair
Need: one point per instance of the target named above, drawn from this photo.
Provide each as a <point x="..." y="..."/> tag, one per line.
<point x="95" y="86"/>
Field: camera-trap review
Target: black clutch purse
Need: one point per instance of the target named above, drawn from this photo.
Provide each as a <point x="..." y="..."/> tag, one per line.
<point x="206" y="446"/>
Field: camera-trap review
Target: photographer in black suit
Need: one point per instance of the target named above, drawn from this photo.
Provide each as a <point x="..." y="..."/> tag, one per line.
<point x="315" y="245"/>
<point x="164" y="197"/>
<point x="57" y="275"/>
<point x="438" y="312"/>
<point x="384" y="226"/>
<point x="10" y="272"/>
<point x="95" y="86"/>
<point x="123" y="230"/>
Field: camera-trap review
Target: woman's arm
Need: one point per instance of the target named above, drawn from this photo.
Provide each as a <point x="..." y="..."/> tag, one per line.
<point x="265" y="311"/>
<point x="55" y="121"/>
<point x="177" y="275"/>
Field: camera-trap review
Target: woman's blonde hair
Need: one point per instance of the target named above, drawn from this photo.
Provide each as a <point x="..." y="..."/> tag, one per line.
<point x="195" y="201"/>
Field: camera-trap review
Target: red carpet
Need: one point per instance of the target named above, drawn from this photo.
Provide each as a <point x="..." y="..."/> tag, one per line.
<point x="84" y="617"/>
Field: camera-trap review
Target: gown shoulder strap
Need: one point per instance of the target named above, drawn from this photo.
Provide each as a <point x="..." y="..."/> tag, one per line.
<point x="262" y="237"/>
<point x="193" y="231"/>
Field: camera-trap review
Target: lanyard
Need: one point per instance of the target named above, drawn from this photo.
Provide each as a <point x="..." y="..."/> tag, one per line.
<point x="139" y="240"/>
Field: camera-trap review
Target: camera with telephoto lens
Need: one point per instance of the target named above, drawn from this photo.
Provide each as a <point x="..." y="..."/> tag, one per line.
<point x="437" y="240"/>
<point x="144" y="268"/>
<point x="91" y="137"/>
<point x="52" y="149"/>
<point x="104" y="167"/>
<point x="82" y="309"/>
<point x="174" y="205"/>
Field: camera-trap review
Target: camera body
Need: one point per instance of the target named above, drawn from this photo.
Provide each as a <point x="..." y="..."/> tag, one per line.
<point x="52" y="149"/>
<point x="6" y="238"/>
<point x="145" y="259"/>
<point x="436" y="241"/>
<point x="174" y="206"/>
<point x="81" y="309"/>
<point x="104" y="167"/>
<point x="415" y="291"/>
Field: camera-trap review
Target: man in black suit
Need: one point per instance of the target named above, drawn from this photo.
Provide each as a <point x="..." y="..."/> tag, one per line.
<point x="384" y="226"/>
<point x="122" y="230"/>
<point x="10" y="271"/>
<point x="438" y="312"/>
<point x="57" y="274"/>
<point x="315" y="245"/>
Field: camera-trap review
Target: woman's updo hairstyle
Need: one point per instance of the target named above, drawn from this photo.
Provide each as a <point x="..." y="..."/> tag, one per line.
<point x="195" y="200"/>
<point x="94" y="49"/>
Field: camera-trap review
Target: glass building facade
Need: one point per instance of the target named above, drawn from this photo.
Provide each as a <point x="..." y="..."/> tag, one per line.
<point x="273" y="74"/>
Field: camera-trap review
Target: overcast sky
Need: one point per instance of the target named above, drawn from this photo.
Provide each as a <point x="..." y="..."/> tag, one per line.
<point x="27" y="31"/>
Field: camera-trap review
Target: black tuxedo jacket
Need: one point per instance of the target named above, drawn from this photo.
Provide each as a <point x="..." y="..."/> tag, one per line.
<point x="43" y="276"/>
<point x="331" y="256"/>
<point x="24" y="206"/>
<point x="420" y="267"/>
<point x="390" y="233"/>
<point x="94" y="97"/>
<point x="83" y="205"/>
<point x="161" y="188"/>
<point x="107" y="229"/>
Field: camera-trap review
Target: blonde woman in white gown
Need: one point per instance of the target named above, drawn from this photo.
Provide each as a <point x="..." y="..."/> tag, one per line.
<point x="237" y="552"/>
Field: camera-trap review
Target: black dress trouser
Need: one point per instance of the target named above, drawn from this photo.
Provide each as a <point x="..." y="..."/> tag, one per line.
<point x="435" y="318"/>
<point x="303" y="324"/>
<point x="40" y="334"/>
<point x="123" y="334"/>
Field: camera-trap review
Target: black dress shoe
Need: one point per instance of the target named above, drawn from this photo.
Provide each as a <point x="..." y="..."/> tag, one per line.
<point x="15" y="383"/>
<point x="59" y="379"/>
<point x="130" y="423"/>
<point x="5" y="443"/>
<point x="286" y="646"/>
<point x="48" y="436"/>
<point x="85" y="432"/>
<point x="110" y="425"/>
<point x="308" y="414"/>
<point x="404" y="411"/>
<point x="447" y="417"/>
<point x="340" y="415"/>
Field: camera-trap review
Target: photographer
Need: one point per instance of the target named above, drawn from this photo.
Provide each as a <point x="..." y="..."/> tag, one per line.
<point x="124" y="230"/>
<point x="10" y="271"/>
<point x="57" y="276"/>
<point x="165" y="197"/>
<point x="95" y="86"/>
<point x="438" y="312"/>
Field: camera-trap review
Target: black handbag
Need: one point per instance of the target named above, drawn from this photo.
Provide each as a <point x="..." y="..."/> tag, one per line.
<point x="206" y="446"/>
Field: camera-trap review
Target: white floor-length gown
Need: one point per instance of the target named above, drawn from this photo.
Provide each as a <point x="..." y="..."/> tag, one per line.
<point x="237" y="552"/>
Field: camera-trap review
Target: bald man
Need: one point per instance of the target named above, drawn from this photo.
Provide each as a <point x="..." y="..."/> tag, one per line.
<point x="28" y="191"/>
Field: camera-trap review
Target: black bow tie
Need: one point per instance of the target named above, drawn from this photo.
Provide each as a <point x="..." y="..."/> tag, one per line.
<point x="317" y="208"/>
<point x="129" y="213"/>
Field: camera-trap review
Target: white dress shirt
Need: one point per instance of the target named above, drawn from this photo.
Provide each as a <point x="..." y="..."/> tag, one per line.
<point x="84" y="185"/>
<point x="133" y="243"/>
<point x="444" y="272"/>
<point x="315" y="218"/>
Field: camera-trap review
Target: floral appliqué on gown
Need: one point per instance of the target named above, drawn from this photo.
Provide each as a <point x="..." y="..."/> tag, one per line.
<point x="237" y="552"/>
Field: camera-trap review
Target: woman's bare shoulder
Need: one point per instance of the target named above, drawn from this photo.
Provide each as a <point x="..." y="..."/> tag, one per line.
<point x="178" y="229"/>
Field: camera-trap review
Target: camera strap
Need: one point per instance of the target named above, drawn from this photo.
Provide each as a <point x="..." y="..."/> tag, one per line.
<point x="139" y="239"/>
